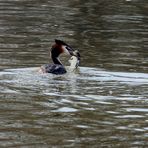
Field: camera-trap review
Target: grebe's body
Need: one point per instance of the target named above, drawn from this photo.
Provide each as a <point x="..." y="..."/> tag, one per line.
<point x="57" y="67"/>
<point x="53" y="68"/>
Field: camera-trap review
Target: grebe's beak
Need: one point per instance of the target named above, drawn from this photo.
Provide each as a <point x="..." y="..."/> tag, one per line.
<point x="68" y="50"/>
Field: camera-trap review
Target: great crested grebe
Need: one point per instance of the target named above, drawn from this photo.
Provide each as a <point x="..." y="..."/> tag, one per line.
<point x="58" y="48"/>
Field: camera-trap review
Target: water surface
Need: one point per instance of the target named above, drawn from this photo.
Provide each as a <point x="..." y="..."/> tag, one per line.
<point x="104" y="103"/>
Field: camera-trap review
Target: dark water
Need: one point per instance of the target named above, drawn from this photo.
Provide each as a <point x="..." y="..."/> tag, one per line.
<point x="104" y="103"/>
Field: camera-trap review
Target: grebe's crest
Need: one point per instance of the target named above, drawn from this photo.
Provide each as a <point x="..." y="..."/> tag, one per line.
<point x="61" y="47"/>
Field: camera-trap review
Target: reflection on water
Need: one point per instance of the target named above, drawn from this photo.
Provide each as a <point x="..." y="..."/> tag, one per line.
<point x="102" y="104"/>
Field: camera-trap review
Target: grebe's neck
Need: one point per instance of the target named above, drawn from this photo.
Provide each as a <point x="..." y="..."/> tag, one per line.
<point x="56" y="60"/>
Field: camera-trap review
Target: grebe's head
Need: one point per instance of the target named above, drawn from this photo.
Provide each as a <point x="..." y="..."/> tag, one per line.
<point x="74" y="60"/>
<point x="61" y="47"/>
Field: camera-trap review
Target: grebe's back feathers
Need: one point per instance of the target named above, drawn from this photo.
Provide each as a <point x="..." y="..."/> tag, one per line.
<point x="54" y="69"/>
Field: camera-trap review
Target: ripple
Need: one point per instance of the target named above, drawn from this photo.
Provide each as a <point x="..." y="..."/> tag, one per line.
<point x="66" y="110"/>
<point x="130" y="116"/>
<point x="137" y="110"/>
